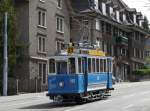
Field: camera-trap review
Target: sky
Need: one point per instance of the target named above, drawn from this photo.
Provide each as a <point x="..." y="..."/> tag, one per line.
<point x="140" y="5"/>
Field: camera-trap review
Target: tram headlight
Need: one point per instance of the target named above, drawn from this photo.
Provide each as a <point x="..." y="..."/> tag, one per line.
<point x="61" y="84"/>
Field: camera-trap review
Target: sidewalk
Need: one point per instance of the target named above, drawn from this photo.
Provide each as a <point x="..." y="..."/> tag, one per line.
<point x="124" y="84"/>
<point x="21" y="97"/>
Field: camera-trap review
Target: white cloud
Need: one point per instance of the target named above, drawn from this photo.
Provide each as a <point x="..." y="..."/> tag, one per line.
<point x="140" y="5"/>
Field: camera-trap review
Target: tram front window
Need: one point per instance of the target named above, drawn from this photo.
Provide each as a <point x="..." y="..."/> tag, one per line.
<point x="61" y="67"/>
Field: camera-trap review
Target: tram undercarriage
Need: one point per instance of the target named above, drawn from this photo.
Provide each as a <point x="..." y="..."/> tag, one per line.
<point x="83" y="97"/>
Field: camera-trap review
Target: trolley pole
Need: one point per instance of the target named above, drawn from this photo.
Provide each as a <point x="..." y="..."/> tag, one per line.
<point x="5" y="67"/>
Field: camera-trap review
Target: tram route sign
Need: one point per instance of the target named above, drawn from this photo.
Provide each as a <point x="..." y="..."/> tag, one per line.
<point x="96" y="53"/>
<point x="70" y="50"/>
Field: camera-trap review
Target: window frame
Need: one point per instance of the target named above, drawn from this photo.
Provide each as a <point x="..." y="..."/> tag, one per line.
<point x="42" y="72"/>
<point x="42" y="19"/>
<point x="59" y="4"/>
<point x="60" y="24"/>
<point x="60" y="43"/>
<point x="42" y="44"/>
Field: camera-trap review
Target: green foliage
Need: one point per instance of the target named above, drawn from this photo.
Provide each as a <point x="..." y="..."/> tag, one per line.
<point x="145" y="69"/>
<point x="142" y="72"/>
<point x="15" y="48"/>
<point x="146" y="23"/>
<point x="147" y="65"/>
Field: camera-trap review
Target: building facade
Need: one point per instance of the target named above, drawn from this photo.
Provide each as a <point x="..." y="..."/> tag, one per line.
<point x="47" y="25"/>
<point x="114" y="28"/>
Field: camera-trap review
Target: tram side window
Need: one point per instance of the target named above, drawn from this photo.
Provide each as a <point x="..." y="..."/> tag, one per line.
<point x="101" y="65"/>
<point x="52" y="66"/>
<point x="80" y="65"/>
<point x="89" y="65"/>
<point x="84" y="65"/>
<point x="97" y="65"/>
<point x="93" y="64"/>
<point x="72" y="66"/>
<point x="105" y="69"/>
<point x="61" y="67"/>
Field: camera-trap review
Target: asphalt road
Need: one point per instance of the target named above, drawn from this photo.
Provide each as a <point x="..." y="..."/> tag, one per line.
<point x="125" y="97"/>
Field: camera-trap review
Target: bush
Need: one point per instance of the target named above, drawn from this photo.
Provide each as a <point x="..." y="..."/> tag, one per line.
<point x="142" y="72"/>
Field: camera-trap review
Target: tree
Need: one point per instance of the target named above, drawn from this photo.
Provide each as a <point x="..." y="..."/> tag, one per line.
<point x="146" y="23"/>
<point x="147" y="59"/>
<point x="15" y="47"/>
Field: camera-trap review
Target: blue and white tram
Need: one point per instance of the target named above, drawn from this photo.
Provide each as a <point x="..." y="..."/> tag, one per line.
<point x="79" y="77"/>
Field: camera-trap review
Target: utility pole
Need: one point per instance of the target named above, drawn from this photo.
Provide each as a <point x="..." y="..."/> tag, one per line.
<point x="5" y="67"/>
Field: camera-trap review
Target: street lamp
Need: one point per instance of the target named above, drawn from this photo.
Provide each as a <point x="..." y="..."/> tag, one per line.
<point x="5" y="66"/>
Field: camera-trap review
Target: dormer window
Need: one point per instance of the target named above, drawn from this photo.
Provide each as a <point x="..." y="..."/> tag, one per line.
<point x="141" y="23"/>
<point x="118" y="16"/>
<point x="107" y="10"/>
<point x="111" y="10"/>
<point x="134" y="18"/>
<point x="96" y="4"/>
<point x="121" y="16"/>
<point x="97" y="24"/>
<point x="104" y="8"/>
<point x="124" y="17"/>
<point x="59" y="4"/>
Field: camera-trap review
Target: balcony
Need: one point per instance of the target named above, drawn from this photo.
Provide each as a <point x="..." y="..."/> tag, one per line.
<point x="122" y="41"/>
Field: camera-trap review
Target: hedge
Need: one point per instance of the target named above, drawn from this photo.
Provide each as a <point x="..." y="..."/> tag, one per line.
<point x="142" y="72"/>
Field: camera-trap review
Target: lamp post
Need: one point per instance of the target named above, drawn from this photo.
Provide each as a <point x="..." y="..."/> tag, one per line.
<point x="5" y="67"/>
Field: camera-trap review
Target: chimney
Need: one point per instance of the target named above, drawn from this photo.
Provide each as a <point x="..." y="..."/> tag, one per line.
<point x="104" y="8"/>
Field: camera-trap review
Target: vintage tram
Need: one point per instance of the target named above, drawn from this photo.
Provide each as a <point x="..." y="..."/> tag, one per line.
<point x="81" y="76"/>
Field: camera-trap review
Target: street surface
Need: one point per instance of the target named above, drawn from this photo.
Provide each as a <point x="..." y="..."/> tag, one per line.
<point x="125" y="97"/>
